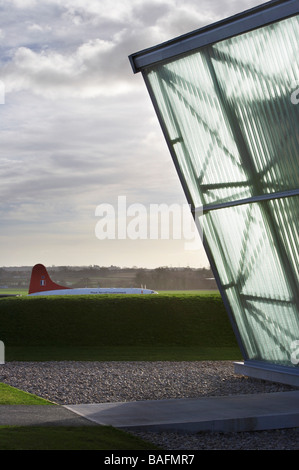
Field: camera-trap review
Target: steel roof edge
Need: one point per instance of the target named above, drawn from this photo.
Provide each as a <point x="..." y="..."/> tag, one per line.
<point x="247" y="20"/>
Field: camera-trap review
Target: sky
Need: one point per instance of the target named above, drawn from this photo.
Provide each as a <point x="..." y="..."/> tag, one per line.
<point x="81" y="146"/>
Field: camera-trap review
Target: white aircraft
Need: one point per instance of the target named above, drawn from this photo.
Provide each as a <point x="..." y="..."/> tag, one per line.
<point x="42" y="284"/>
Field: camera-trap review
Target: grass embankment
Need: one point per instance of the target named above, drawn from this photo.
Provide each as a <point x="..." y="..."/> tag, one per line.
<point x="157" y="327"/>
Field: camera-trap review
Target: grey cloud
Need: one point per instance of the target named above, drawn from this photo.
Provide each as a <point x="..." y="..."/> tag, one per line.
<point x="77" y="128"/>
<point x="58" y="57"/>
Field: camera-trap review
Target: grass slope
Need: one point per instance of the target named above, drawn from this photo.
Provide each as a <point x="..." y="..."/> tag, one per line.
<point x="12" y="396"/>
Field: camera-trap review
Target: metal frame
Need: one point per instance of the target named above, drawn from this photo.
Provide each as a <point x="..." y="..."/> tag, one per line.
<point x="254" y="18"/>
<point x="248" y="20"/>
<point x="249" y="200"/>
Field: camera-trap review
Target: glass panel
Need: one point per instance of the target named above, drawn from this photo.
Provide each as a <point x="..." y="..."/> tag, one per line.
<point x="233" y="129"/>
<point x="286" y="213"/>
<point x="199" y="131"/>
<point x="257" y="73"/>
<point x="229" y="115"/>
<point x="257" y="263"/>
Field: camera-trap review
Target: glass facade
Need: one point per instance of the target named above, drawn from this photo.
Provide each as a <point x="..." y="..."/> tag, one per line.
<point x="232" y="128"/>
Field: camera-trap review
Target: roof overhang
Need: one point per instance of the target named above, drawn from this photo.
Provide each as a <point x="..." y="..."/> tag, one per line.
<point x="248" y="20"/>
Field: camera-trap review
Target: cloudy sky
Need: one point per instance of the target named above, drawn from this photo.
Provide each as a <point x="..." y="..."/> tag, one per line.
<point x="78" y="130"/>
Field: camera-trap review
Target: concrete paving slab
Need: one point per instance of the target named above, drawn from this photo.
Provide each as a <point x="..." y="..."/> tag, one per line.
<point x="40" y="415"/>
<point x="224" y="414"/>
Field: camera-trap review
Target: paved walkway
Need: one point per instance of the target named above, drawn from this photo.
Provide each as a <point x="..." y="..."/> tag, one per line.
<point x="40" y="415"/>
<point x="232" y="413"/>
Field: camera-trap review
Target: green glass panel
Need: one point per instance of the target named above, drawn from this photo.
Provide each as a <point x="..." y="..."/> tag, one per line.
<point x="257" y="262"/>
<point x="257" y="73"/>
<point x="232" y="128"/>
<point x="229" y="115"/>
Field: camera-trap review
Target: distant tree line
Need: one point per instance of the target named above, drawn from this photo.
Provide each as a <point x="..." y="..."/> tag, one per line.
<point x="166" y="278"/>
<point x="161" y="278"/>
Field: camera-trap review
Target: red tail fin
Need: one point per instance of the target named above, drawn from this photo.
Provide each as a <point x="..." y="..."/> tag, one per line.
<point x="40" y="280"/>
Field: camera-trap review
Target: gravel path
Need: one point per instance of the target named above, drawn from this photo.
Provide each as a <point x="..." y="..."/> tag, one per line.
<point x="98" y="382"/>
